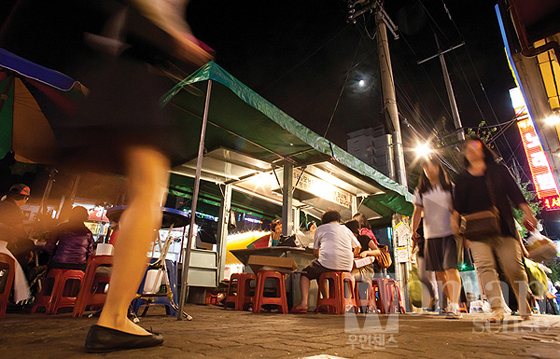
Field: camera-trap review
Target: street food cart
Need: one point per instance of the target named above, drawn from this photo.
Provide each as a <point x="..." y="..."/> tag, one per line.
<point x="242" y="143"/>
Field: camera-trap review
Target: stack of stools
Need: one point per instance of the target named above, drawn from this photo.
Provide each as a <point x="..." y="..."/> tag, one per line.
<point x="365" y="297"/>
<point x="387" y="296"/>
<point x="341" y="293"/>
<point x="58" y="290"/>
<point x="7" y="273"/>
<point x="93" y="293"/>
<point x="239" y="291"/>
<point x="163" y="299"/>
<point x="280" y="288"/>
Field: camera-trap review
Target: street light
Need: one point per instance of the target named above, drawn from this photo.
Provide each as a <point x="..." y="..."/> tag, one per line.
<point x="554" y="118"/>
<point x="423" y="150"/>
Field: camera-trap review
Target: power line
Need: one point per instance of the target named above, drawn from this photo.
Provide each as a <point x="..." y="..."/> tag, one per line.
<point x="304" y="60"/>
<point x="342" y="89"/>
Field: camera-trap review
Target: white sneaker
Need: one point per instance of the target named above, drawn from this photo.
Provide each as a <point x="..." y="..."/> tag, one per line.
<point x="453" y="312"/>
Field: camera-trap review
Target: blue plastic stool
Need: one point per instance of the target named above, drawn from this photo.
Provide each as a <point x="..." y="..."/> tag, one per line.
<point x="172" y="277"/>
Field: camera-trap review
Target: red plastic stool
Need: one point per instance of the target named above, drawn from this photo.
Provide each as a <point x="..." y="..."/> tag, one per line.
<point x="93" y="293"/>
<point x="280" y="285"/>
<point x="367" y="304"/>
<point x="387" y="296"/>
<point x="239" y="291"/>
<point x="56" y="292"/>
<point x="8" y="269"/>
<point x="341" y="292"/>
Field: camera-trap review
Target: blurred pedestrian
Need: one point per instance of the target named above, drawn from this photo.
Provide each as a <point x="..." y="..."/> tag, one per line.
<point x="119" y="51"/>
<point x="482" y="185"/>
<point x="433" y="202"/>
<point x="427" y="277"/>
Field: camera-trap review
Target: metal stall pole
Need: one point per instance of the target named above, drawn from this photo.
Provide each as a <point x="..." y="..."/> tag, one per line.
<point x="287" y="196"/>
<point x="187" y="250"/>
<point x="225" y="207"/>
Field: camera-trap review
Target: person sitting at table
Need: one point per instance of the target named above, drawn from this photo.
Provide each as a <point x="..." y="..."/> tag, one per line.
<point x="71" y="243"/>
<point x="306" y="238"/>
<point x="333" y="247"/>
<point x="368" y="249"/>
<point x="365" y="227"/>
<point x="271" y="239"/>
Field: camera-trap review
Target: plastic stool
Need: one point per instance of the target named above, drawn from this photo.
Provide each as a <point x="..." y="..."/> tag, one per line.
<point x="239" y="291"/>
<point x="367" y="304"/>
<point x="341" y="292"/>
<point x="8" y="269"/>
<point x="93" y="287"/>
<point x="385" y="291"/>
<point x="280" y="284"/>
<point x="159" y="299"/>
<point x="55" y="295"/>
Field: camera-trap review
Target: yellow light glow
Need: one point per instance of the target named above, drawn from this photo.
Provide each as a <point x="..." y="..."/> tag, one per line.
<point x="553" y="119"/>
<point x="423" y="150"/>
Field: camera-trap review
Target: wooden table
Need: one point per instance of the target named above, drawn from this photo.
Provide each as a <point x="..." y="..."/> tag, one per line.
<point x="302" y="256"/>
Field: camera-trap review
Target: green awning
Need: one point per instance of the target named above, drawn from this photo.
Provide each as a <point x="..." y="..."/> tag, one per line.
<point x="242" y="121"/>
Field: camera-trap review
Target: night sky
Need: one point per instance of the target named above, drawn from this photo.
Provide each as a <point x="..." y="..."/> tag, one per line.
<point x="297" y="55"/>
<point x="305" y="58"/>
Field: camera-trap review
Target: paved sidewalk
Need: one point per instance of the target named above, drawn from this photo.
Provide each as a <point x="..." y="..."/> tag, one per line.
<point x="217" y="333"/>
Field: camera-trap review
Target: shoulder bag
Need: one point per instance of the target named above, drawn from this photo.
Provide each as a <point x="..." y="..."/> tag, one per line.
<point x="479" y="225"/>
<point x="384" y="259"/>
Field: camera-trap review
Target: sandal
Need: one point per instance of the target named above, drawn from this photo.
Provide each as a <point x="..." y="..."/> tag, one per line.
<point x="298" y="310"/>
<point x="496" y="317"/>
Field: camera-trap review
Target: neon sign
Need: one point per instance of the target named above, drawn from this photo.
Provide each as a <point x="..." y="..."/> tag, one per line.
<point x="543" y="178"/>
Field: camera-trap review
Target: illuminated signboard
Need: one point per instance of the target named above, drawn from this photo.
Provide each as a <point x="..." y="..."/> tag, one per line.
<point x="543" y="178"/>
<point x="321" y="188"/>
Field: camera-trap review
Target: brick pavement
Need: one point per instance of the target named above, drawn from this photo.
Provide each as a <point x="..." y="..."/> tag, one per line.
<point x="217" y="333"/>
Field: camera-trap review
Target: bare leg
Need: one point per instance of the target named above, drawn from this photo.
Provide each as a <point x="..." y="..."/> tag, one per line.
<point x="304" y="284"/>
<point x="453" y="285"/>
<point x="148" y="174"/>
<point x="441" y="281"/>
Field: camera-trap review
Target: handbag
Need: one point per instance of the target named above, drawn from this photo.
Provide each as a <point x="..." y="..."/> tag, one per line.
<point x="479" y="225"/>
<point x="384" y="259"/>
<point x="288" y="241"/>
<point x="540" y="248"/>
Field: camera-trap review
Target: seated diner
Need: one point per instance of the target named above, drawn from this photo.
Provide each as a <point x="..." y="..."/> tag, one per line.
<point x="333" y="247"/>
<point x="271" y="239"/>
<point x="368" y="249"/>
<point x="71" y="243"/>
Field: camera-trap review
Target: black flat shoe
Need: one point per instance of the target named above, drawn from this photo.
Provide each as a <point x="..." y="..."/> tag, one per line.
<point x="103" y="339"/>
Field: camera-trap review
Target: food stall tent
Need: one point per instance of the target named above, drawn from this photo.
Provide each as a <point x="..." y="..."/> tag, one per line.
<point x="252" y="147"/>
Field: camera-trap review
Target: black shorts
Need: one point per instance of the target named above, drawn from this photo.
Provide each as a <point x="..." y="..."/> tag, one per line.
<point x="441" y="254"/>
<point x="314" y="270"/>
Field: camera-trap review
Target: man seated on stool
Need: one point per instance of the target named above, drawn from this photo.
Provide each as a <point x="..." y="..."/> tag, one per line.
<point x="333" y="246"/>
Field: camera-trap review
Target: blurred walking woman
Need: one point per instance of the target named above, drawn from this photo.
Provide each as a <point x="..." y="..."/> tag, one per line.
<point x="482" y="185"/>
<point x="433" y="200"/>
<point x="117" y="49"/>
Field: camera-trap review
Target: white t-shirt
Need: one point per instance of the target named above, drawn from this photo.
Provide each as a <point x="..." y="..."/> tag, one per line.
<point x="335" y="242"/>
<point x="437" y="205"/>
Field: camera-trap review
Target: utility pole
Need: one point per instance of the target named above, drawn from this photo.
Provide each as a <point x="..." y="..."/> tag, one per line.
<point x="391" y="112"/>
<point x="389" y="96"/>
<point x="449" y="87"/>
